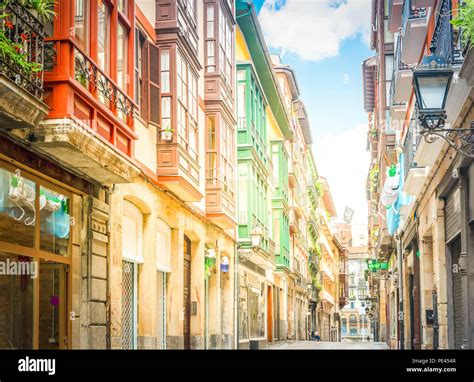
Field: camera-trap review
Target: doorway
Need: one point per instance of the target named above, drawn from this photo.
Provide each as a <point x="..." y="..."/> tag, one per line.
<point x="27" y="290"/>
<point x="269" y="314"/>
<point x="187" y="293"/>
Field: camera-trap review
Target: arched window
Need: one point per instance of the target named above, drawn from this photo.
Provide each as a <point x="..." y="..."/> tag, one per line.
<point x="132" y="255"/>
<point x="353" y="319"/>
<point x="132" y="229"/>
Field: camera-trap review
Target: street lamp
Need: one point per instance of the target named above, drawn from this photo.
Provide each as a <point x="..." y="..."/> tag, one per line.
<point x="431" y="82"/>
<point x="256" y="237"/>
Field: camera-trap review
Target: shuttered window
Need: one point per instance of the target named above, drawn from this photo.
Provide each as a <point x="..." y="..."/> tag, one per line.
<point x="154" y="87"/>
<point x="147" y="78"/>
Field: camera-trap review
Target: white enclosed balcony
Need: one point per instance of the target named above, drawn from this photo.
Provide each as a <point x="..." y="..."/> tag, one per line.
<point x="426" y="153"/>
<point x="414" y="26"/>
<point x="402" y="76"/>
<point x="415" y="179"/>
<point x="395" y="15"/>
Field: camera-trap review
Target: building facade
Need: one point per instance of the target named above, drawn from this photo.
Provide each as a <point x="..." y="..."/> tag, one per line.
<point x="426" y="238"/>
<point x="355" y="321"/>
<point x="144" y="144"/>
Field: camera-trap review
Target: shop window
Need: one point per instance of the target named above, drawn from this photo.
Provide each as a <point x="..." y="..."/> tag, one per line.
<point x="55" y="219"/>
<point x="34" y="219"/>
<point x="16" y="302"/>
<point x="18" y="215"/>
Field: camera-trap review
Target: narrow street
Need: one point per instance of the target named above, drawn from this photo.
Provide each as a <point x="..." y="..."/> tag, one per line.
<point x="317" y="345"/>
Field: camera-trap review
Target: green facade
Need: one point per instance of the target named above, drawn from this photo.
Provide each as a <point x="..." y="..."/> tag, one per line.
<point x="253" y="161"/>
<point x="280" y="208"/>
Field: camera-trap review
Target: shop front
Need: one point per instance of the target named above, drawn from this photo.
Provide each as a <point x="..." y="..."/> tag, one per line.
<point x="252" y="308"/>
<point x="36" y="220"/>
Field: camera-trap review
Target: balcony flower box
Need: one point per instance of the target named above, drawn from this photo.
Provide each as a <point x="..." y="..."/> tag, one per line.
<point x="167" y="135"/>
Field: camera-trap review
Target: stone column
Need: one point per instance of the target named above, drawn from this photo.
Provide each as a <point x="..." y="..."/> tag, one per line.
<point x="97" y="280"/>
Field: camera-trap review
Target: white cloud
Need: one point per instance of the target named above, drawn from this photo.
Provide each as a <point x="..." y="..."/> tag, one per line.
<point x="343" y="160"/>
<point x="313" y="29"/>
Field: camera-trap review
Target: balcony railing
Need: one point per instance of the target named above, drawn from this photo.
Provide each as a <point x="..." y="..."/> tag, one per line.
<point x="443" y="41"/>
<point x="22" y="47"/>
<point x="411" y="13"/>
<point x="96" y="81"/>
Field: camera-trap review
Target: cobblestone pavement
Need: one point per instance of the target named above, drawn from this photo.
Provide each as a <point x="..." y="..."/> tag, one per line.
<point x="308" y="345"/>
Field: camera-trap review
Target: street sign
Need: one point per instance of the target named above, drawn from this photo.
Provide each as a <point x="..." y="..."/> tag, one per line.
<point x="376" y="265"/>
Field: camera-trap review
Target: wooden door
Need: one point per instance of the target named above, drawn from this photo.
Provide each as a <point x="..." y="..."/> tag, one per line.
<point x="269" y="314"/>
<point x="53" y="306"/>
<point x="187" y="293"/>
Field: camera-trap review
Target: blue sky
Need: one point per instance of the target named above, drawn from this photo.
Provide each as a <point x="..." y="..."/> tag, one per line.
<point x="324" y="88"/>
<point x="326" y="42"/>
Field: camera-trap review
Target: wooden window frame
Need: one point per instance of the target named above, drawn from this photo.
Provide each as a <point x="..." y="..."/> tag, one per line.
<point x="36" y="254"/>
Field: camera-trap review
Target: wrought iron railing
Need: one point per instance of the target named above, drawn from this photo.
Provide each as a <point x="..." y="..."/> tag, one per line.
<point x="22" y="47"/>
<point x="94" y="79"/>
<point x="411" y="13"/>
<point x="443" y="42"/>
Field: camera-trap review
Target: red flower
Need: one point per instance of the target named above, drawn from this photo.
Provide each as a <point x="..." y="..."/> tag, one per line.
<point x="9" y="24"/>
<point x="24" y="37"/>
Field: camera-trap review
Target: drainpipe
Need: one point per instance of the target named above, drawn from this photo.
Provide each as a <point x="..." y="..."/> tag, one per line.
<point x="401" y="316"/>
<point x="236" y="297"/>
<point x="108" y="192"/>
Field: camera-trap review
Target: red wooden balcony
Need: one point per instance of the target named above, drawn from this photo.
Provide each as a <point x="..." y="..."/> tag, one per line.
<point x="90" y="126"/>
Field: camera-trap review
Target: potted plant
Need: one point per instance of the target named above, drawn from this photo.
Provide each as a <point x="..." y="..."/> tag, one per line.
<point x="167" y="134"/>
<point x="464" y="19"/>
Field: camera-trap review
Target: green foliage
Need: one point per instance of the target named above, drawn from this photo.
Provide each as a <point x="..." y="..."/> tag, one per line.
<point x="464" y="19"/>
<point x="43" y="8"/>
<point x="14" y="52"/>
<point x="319" y="188"/>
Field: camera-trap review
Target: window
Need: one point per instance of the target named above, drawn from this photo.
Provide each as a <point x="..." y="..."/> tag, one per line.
<point x="123" y="6"/>
<point x="186" y="83"/>
<point x="122" y="55"/>
<point x="211" y="151"/>
<point x="103" y="36"/>
<point x="227" y="156"/>
<point x="210" y="39"/>
<point x="132" y="255"/>
<point x="361" y="294"/>
<point x="165" y="76"/>
<point x="165" y="70"/>
<point x="191" y="8"/>
<point x="140" y="73"/>
<point x="225" y="47"/>
<point x="388" y="36"/>
<point x="388" y="78"/>
<point x="81" y="25"/>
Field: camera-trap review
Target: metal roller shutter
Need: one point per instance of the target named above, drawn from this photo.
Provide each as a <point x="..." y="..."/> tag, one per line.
<point x="128" y="305"/>
<point x="452" y="215"/>
<point x="457" y="297"/>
